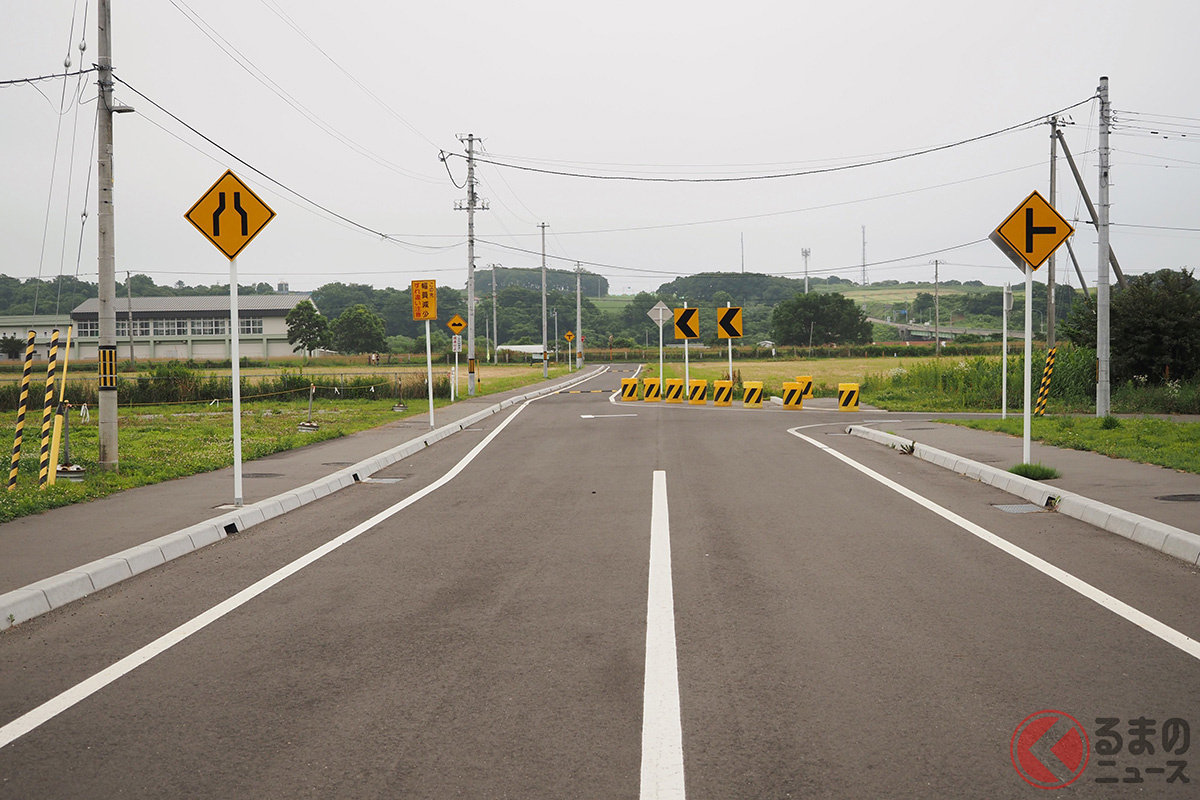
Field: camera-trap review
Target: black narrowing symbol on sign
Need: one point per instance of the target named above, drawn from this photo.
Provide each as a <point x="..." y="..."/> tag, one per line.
<point x="237" y="206"/>
<point x="1030" y="230"/>
<point x="685" y="323"/>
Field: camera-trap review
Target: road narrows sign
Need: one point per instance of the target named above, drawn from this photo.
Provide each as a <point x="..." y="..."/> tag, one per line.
<point x="1031" y="232"/>
<point x="685" y="323"/>
<point x="729" y="322"/>
<point x="230" y="214"/>
<point x="456" y="324"/>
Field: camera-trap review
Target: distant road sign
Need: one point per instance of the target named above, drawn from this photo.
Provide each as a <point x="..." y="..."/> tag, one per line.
<point x="229" y="214"/>
<point x="456" y="344"/>
<point x="424" y="300"/>
<point x="659" y="312"/>
<point x="456" y="324"/>
<point x="569" y="336"/>
<point x="1032" y="232"/>
<point x="729" y="323"/>
<point x="686" y="326"/>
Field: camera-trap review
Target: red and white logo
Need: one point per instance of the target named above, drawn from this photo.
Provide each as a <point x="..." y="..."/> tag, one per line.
<point x="1050" y="749"/>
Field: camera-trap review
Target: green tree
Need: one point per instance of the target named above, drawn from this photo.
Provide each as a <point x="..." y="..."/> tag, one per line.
<point x="1152" y="326"/>
<point x="307" y="329"/>
<point x="828" y="318"/>
<point x="12" y="346"/>
<point x="358" y="330"/>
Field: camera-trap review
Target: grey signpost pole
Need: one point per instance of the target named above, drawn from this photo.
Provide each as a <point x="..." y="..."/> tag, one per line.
<point x="236" y="378"/>
<point x="659" y="313"/>
<point x="1028" y="360"/>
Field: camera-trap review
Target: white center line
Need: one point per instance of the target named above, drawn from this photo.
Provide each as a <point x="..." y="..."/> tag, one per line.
<point x="662" y="727"/>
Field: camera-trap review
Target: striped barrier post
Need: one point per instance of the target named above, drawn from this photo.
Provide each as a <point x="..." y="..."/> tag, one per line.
<point x="698" y="393"/>
<point x="752" y="394"/>
<point x="650" y="390"/>
<point x="847" y="397"/>
<point x="806" y="386"/>
<point x="1039" y="408"/>
<point x="48" y="413"/>
<point x="629" y="389"/>
<point x="19" y="436"/>
<point x="793" y="394"/>
<point x="674" y="390"/>
<point x="723" y="393"/>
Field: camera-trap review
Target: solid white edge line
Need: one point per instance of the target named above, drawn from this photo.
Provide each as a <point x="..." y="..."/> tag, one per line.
<point x="86" y="688"/>
<point x="662" y="726"/>
<point x="1122" y="609"/>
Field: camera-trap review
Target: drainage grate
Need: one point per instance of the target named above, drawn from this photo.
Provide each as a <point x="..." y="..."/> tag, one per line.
<point x="1018" y="508"/>
<point x="338" y="464"/>
<point x="381" y="480"/>
<point x="263" y="475"/>
<point x="1180" y="498"/>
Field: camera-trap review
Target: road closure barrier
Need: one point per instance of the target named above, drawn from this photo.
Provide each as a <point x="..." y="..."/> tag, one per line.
<point x="650" y="390"/>
<point x="629" y="389"/>
<point x="722" y="393"/>
<point x="806" y="386"/>
<point x="697" y="393"/>
<point x="674" y="390"/>
<point x="793" y="394"/>
<point x="752" y="394"/>
<point x="847" y="397"/>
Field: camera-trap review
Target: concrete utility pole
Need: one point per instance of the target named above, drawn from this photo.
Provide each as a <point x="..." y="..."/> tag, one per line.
<point x="937" y="314"/>
<point x="470" y="205"/>
<point x="1050" y="311"/>
<point x="805" y="253"/>
<point x="1087" y="201"/>
<point x="107" y="245"/>
<point x="129" y="292"/>
<point x="579" y="316"/>
<point x="864" y="238"/>
<point x="1102" y="342"/>
<point x="495" y="330"/>
<point x="545" y="361"/>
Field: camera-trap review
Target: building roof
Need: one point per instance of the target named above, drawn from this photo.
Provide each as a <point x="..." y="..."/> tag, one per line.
<point x="268" y="304"/>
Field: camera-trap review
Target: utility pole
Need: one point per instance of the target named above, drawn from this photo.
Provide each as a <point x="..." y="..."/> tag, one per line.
<point x="937" y="314"/>
<point x="864" y="238"/>
<point x="495" y="330"/>
<point x="129" y="292"/>
<point x="545" y="361"/>
<point x="1087" y="201"/>
<point x="106" y="244"/>
<point x="470" y="204"/>
<point x="805" y="253"/>
<point x="1102" y="340"/>
<point x="743" y="240"/>
<point x="579" y="316"/>
<point x="1050" y="265"/>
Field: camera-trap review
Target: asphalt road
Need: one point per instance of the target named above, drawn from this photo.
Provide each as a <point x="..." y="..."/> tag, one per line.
<point x="480" y="630"/>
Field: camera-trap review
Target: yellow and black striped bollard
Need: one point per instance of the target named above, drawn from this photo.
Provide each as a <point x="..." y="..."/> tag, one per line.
<point x="24" y="406"/>
<point x="48" y="412"/>
<point x="1039" y="407"/>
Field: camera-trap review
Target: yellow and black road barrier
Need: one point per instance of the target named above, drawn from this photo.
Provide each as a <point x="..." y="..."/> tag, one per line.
<point x="722" y="393"/>
<point x="806" y="386"/>
<point x="793" y="394"/>
<point x="629" y="389"/>
<point x="650" y="390"/>
<point x="698" y="393"/>
<point x="48" y="413"/>
<point x="24" y="406"/>
<point x="1039" y="407"/>
<point x="847" y="397"/>
<point x="752" y="394"/>
<point x="674" y="390"/>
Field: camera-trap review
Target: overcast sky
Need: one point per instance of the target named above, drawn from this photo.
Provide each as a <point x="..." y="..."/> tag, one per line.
<point x="349" y="104"/>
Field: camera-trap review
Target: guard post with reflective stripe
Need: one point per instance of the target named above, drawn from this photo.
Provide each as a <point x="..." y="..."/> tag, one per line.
<point x="806" y="386"/>
<point x="793" y="395"/>
<point x="752" y="394"/>
<point x="847" y="397"/>
<point x="1044" y="390"/>
<point x="48" y="412"/>
<point x="108" y="367"/>
<point x="19" y="436"/>
<point x="698" y="393"/>
<point x="629" y="389"/>
<point x="650" y="390"/>
<point x="674" y="391"/>
<point x="722" y="393"/>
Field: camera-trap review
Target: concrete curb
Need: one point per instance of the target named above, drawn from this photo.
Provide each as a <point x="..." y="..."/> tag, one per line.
<point x="1159" y="536"/>
<point x="21" y="605"/>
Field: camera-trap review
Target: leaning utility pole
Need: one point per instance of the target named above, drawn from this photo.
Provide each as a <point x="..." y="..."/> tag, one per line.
<point x="545" y="361"/>
<point x="1102" y="341"/>
<point x="1050" y="264"/>
<point x="469" y="205"/>
<point x="805" y="252"/>
<point x="1087" y="201"/>
<point x="107" y="245"/>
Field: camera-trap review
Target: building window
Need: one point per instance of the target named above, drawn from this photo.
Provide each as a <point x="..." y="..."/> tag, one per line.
<point x="87" y="328"/>
<point x="170" y="327"/>
<point x="250" y="325"/>
<point x="210" y="326"/>
<point x="141" y="327"/>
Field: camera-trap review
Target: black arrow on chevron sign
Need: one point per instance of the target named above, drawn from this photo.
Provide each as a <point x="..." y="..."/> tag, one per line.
<point x="728" y="320"/>
<point x="685" y="323"/>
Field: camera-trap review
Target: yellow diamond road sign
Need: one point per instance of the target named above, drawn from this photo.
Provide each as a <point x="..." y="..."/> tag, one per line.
<point x="456" y="324"/>
<point x="569" y="336"/>
<point x="1032" y="232"/>
<point x="230" y="214"/>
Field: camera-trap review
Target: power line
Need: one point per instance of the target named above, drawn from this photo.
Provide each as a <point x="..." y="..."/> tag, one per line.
<point x="775" y="176"/>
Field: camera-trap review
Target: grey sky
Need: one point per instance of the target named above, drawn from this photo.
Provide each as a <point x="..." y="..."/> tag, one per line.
<point x="645" y="88"/>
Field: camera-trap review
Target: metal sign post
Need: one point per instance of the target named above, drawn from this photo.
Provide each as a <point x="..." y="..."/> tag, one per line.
<point x="424" y="301"/>
<point x="237" y="382"/>
<point x="1004" y="357"/>
<point x="660" y="314"/>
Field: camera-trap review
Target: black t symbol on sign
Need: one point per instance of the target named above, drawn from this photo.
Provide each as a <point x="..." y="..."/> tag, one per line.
<point x="1030" y="230"/>
<point x="237" y="206"/>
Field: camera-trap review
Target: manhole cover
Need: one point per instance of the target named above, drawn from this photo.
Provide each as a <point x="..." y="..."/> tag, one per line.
<point x="338" y="464"/>
<point x="1018" y="508"/>
<point x="263" y="475"/>
<point x="1180" y="498"/>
